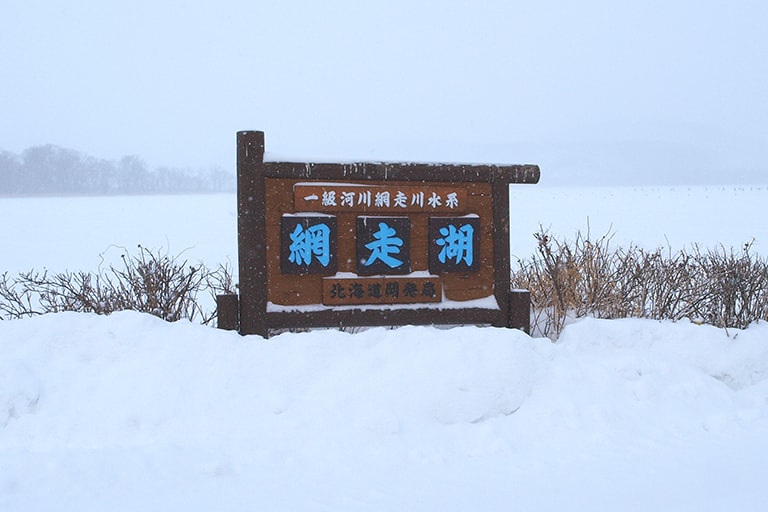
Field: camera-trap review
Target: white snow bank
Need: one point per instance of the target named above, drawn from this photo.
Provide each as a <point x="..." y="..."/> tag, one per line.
<point x="127" y="412"/>
<point x="136" y="379"/>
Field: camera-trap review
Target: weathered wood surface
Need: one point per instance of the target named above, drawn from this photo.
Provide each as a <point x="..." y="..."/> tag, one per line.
<point x="284" y="289"/>
<point x="266" y="193"/>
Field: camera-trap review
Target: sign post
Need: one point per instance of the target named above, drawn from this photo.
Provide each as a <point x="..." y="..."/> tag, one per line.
<point x="366" y="244"/>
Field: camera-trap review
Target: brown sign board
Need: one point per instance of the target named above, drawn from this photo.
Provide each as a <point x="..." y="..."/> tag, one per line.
<point x="335" y="245"/>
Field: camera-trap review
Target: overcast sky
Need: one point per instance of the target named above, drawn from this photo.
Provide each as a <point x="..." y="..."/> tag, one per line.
<point x="634" y="91"/>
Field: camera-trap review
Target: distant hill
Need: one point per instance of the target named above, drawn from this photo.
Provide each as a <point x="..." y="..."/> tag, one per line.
<point x="52" y="170"/>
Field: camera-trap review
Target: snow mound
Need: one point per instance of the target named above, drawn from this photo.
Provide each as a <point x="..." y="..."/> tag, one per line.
<point x="132" y="378"/>
<point x="128" y="412"/>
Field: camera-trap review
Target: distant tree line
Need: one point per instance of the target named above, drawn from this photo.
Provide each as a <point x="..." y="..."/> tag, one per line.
<point x="51" y="170"/>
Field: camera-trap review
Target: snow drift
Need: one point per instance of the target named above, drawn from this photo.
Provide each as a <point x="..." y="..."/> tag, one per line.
<point x="128" y="412"/>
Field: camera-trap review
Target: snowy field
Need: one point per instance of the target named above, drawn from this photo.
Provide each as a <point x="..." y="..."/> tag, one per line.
<point x="76" y="233"/>
<point x="651" y="217"/>
<point x="127" y="412"/>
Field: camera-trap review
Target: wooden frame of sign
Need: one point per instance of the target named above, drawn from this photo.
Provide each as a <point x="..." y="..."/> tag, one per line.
<point x="372" y="244"/>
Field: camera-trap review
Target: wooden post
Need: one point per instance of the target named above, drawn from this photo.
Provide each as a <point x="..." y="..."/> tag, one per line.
<point x="251" y="239"/>
<point x="501" y="276"/>
<point x="227" y="312"/>
<point x="520" y="310"/>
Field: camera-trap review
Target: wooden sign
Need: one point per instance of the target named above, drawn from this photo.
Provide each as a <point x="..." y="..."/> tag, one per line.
<point x="358" y="244"/>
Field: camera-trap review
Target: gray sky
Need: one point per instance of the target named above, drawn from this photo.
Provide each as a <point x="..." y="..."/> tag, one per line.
<point x="634" y="91"/>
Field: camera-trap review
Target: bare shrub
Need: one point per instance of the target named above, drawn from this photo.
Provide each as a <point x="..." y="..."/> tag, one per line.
<point x="151" y="282"/>
<point x="585" y="277"/>
<point x="734" y="288"/>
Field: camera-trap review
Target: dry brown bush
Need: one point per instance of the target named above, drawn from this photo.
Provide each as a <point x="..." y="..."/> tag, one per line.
<point x="585" y="277"/>
<point x="567" y="280"/>
<point x="151" y="282"/>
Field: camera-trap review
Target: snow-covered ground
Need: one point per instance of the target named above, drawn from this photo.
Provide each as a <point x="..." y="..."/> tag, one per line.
<point x="127" y="412"/>
<point x="651" y="217"/>
<point x="81" y="233"/>
<point x="130" y="413"/>
<point x="75" y="233"/>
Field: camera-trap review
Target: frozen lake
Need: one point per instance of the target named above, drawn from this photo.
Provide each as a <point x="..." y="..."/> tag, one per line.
<point x="73" y="233"/>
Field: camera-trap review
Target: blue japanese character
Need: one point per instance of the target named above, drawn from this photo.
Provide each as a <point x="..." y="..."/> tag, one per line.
<point x="385" y="243"/>
<point x="456" y="243"/>
<point x="314" y="240"/>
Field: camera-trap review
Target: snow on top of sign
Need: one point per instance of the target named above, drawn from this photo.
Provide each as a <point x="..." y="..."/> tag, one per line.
<point x="307" y="214"/>
<point x="335" y="184"/>
<point x="277" y="158"/>
<point x="483" y="303"/>
<point x="413" y="275"/>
